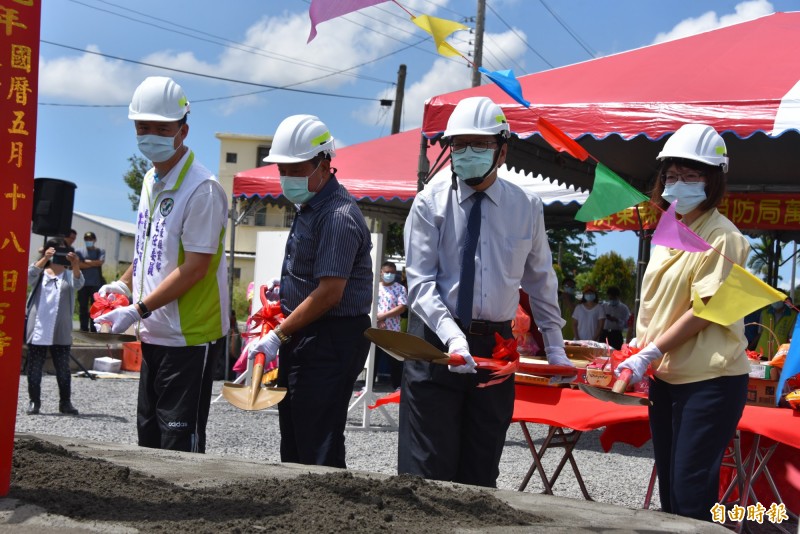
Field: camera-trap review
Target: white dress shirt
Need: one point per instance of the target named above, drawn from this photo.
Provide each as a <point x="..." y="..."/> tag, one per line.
<point x="513" y="251"/>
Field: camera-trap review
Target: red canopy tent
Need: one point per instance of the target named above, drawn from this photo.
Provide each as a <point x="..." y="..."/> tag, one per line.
<point x="743" y="79"/>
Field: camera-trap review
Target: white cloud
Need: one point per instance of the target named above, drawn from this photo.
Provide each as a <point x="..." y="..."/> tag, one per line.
<point x="446" y="75"/>
<point x="744" y="11"/>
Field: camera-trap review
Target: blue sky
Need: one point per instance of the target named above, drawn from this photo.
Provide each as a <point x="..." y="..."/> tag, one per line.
<point x="86" y="137"/>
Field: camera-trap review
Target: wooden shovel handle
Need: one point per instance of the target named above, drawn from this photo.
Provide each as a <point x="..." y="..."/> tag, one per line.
<point x="622" y="381"/>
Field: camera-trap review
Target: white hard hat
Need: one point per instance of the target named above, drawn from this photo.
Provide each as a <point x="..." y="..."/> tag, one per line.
<point x="477" y="115"/>
<point x="299" y="138"/>
<point x="697" y="142"/>
<point x="158" y="98"/>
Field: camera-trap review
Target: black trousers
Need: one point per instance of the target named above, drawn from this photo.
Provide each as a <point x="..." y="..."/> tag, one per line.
<point x="450" y="429"/>
<point x="612" y="337"/>
<point x="395" y="366"/>
<point x="36" y="357"/>
<point x="85" y="301"/>
<point x="319" y="367"/>
<point x="175" y="395"/>
<point x="692" y="425"/>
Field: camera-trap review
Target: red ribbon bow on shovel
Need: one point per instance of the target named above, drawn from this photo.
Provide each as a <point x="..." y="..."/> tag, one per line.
<point x="110" y="302"/>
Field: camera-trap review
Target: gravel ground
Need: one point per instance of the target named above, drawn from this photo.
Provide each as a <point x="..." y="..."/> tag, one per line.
<point x="108" y="413"/>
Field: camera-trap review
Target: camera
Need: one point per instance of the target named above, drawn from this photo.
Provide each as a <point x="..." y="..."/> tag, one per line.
<point x="60" y="257"/>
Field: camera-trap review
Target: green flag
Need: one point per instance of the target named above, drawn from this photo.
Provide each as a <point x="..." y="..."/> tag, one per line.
<point x="610" y="194"/>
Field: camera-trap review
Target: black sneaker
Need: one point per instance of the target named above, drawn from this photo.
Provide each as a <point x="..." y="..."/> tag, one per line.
<point x="33" y="408"/>
<point x="68" y="409"/>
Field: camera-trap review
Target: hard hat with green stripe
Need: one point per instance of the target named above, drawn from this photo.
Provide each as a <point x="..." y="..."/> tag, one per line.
<point x="477" y="115"/>
<point x="697" y="142"/>
<point x="299" y="138"/>
<point x="160" y="99"/>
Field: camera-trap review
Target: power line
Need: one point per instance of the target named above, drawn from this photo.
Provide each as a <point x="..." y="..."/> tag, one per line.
<point x="511" y="59"/>
<point x="519" y="36"/>
<point x="238" y="46"/>
<point x="569" y="30"/>
<point x="212" y="77"/>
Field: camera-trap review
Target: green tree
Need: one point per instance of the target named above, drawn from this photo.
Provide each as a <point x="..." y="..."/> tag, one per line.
<point x="134" y="177"/>
<point x="394" y="240"/>
<point x="612" y="270"/>
<point x="571" y="250"/>
<point x="761" y="251"/>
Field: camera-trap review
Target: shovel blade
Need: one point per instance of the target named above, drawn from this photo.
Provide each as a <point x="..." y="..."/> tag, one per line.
<point x="609" y="396"/>
<point x="402" y="346"/>
<point x="241" y="396"/>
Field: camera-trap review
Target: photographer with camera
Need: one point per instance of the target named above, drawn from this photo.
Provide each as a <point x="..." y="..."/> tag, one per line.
<point x="48" y="320"/>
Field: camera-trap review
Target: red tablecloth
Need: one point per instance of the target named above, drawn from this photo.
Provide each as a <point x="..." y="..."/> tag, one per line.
<point x="575" y="409"/>
<point x="629" y="424"/>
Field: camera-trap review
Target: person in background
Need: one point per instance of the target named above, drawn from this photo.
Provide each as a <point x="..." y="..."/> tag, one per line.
<point x="751" y="328"/>
<point x="72" y="235"/>
<point x="470" y="244"/>
<point x="392" y="302"/>
<point x="326" y="295"/>
<point x="779" y="319"/>
<point x="178" y="278"/>
<point x="700" y="368"/>
<point x="616" y="319"/>
<point x="566" y="299"/>
<point x="589" y="317"/>
<point x="92" y="259"/>
<point x="51" y="304"/>
<point x="274" y="290"/>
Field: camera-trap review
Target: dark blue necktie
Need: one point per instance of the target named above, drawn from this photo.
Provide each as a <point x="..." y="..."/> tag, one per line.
<point x="466" y="281"/>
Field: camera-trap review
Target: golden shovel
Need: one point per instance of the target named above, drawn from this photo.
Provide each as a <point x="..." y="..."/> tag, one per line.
<point x="254" y="396"/>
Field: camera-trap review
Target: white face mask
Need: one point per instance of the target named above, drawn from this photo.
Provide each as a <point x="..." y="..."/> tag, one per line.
<point x="689" y="196"/>
<point x="156" y="148"/>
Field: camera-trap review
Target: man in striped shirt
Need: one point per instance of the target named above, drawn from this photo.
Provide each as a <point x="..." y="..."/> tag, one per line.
<point x="326" y="296"/>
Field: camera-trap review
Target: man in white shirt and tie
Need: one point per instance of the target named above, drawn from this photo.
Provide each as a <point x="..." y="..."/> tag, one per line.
<point x="470" y="245"/>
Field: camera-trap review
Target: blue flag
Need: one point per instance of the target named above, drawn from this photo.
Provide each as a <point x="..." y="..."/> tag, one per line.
<point x="791" y="366"/>
<point x="506" y="81"/>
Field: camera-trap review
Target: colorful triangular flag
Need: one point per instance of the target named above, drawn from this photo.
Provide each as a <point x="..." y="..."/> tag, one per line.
<point x="560" y="140"/>
<point x="610" y="194"/>
<point x="791" y="366"/>
<point x="506" y="81"/>
<point x="741" y="293"/>
<point x="322" y="10"/>
<point x="439" y="30"/>
<point x="673" y="233"/>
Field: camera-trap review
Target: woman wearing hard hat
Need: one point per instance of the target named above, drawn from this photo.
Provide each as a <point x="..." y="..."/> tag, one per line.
<point x="700" y="368"/>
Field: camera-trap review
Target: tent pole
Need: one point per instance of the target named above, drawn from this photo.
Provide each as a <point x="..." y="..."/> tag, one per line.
<point x="231" y="264"/>
<point x="423" y="165"/>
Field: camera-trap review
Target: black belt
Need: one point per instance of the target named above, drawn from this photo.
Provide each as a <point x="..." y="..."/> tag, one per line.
<point x="484" y="328"/>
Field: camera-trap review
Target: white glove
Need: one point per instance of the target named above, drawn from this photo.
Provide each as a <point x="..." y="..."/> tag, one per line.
<point x="117" y="286"/>
<point x="268" y="345"/>
<point x="459" y="345"/>
<point x="554" y="349"/>
<point x="633" y="343"/>
<point x="558" y="356"/>
<point x="639" y="362"/>
<point x="120" y="319"/>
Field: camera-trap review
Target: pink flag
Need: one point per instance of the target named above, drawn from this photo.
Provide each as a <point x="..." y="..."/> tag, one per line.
<point x="672" y="233"/>
<point x="322" y="10"/>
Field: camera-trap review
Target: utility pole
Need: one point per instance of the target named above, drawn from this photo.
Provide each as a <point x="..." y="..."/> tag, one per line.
<point x="398" y="99"/>
<point x="478" y="52"/>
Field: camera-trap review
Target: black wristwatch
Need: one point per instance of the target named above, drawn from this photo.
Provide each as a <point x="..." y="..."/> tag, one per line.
<point x="143" y="310"/>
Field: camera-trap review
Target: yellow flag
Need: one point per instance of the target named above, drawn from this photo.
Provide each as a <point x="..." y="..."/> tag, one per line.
<point x="741" y="293"/>
<point x="439" y="30"/>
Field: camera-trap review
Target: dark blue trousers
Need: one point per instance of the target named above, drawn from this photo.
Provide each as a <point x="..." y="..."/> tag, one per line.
<point x="319" y="367"/>
<point x="450" y="429"/>
<point x="692" y="425"/>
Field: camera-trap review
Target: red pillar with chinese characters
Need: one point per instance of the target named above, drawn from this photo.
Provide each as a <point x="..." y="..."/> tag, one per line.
<point x="20" y="22"/>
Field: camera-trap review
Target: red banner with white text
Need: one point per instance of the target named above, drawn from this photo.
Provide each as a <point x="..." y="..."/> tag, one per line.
<point x="748" y="211"/>
<point x="20" y="22"/>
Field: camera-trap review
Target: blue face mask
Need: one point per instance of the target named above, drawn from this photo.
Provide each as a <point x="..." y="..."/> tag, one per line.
<point x="689" y="196"/>
<point x="387" y="277"/>
<point x="156" y="148"/>
<point x="295" y="188"/>
<point x="470" y="165"/>
<point x="89" y="244"/>
<point x="589" y="297"/>
<point x="777" y="305"/>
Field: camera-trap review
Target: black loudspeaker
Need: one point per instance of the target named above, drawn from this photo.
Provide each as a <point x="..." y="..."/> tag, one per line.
<point x="52" y="206"/>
